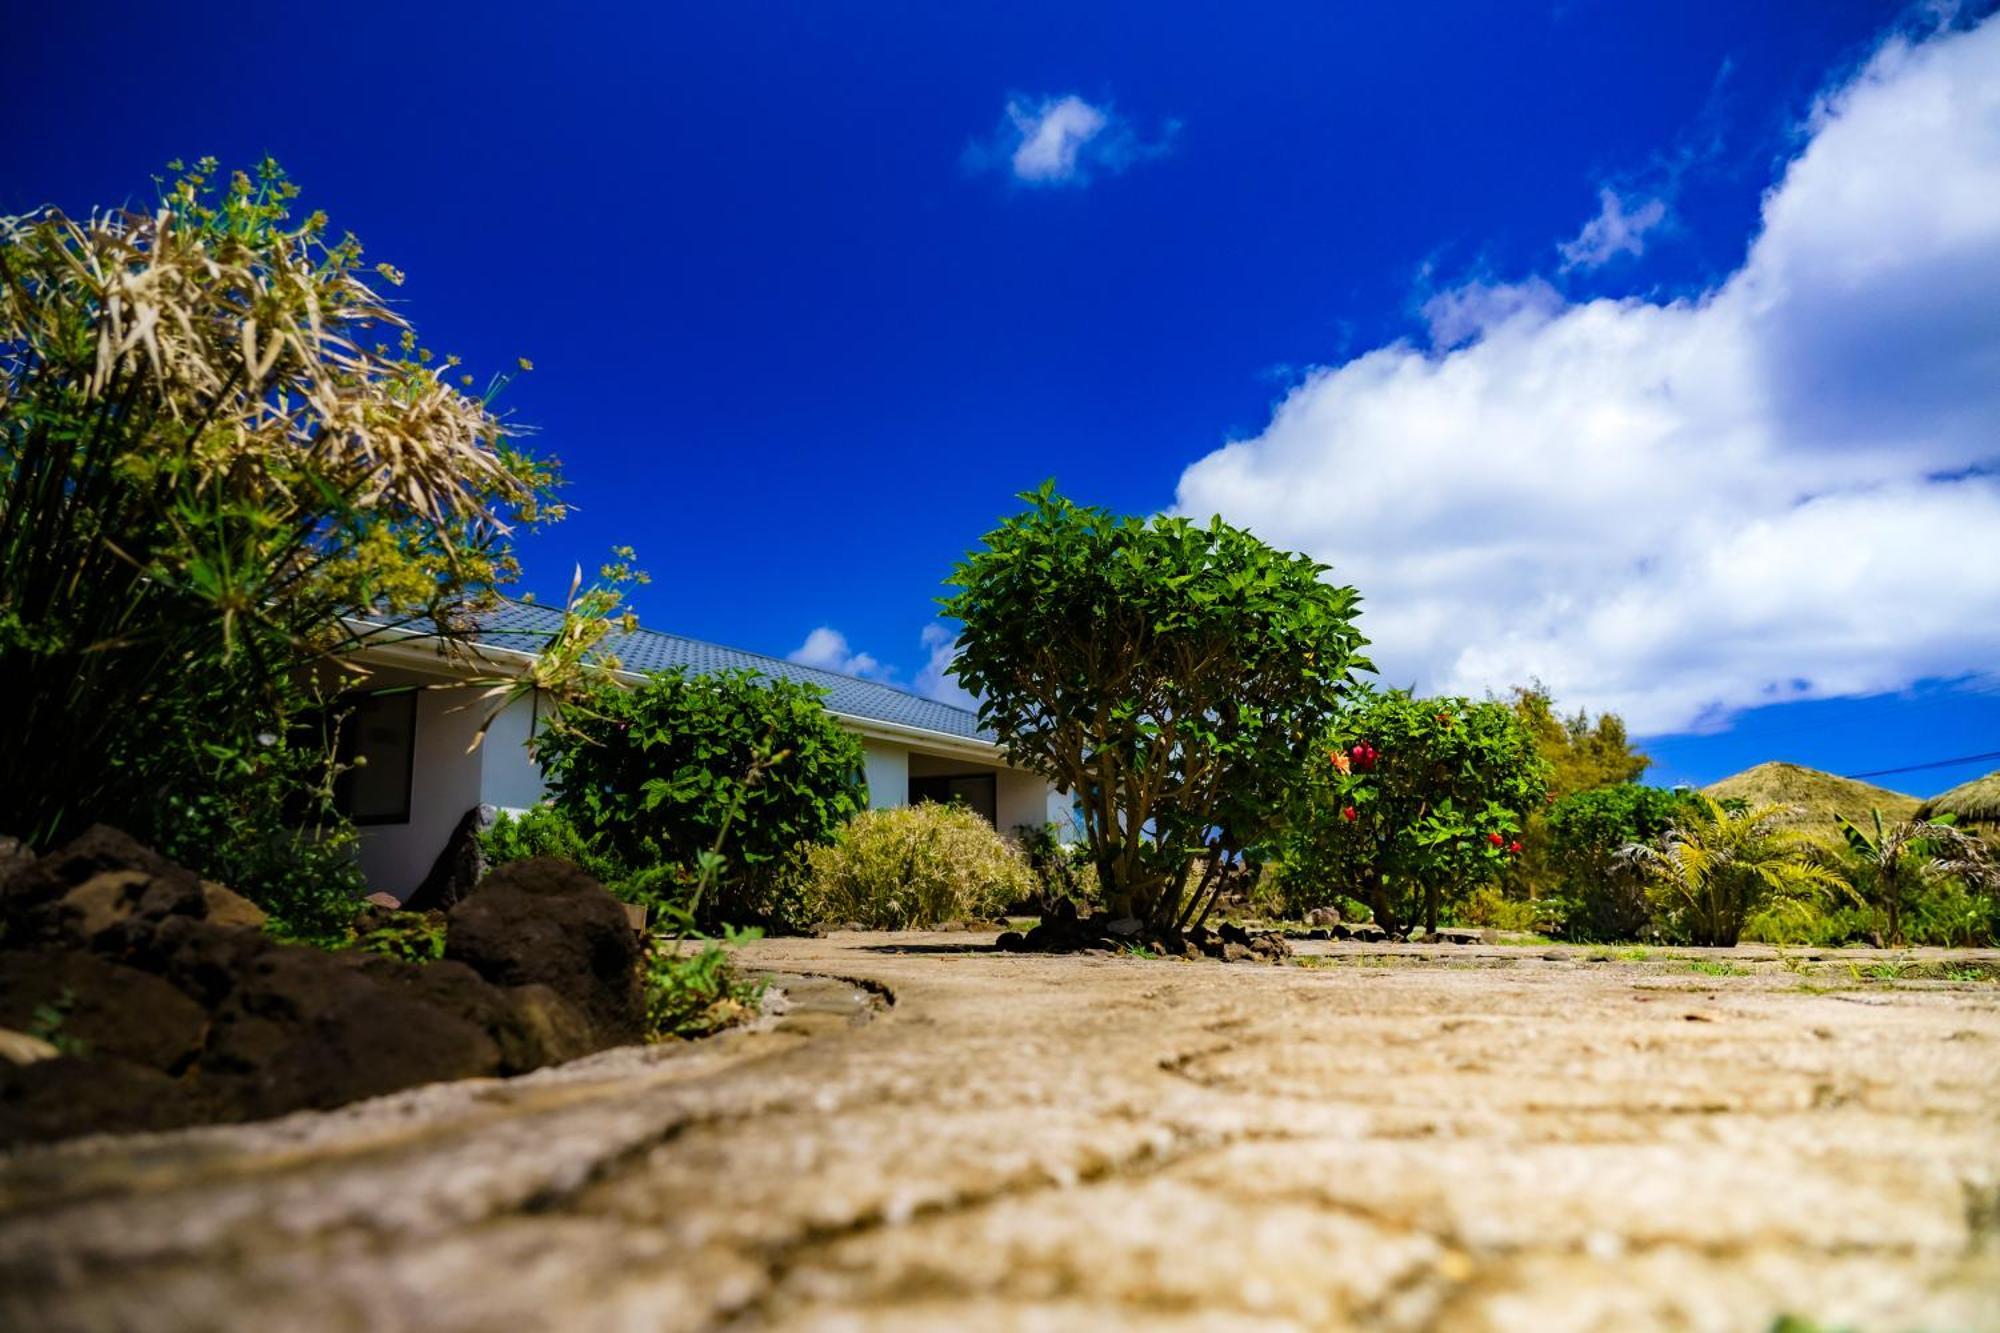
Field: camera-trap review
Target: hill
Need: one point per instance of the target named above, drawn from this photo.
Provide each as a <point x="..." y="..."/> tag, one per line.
<point x="1975" y="803"/>
<point x="1820" y="796"/>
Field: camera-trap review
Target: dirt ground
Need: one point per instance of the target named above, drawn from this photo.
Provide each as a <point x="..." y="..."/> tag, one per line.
<point x="936" y="1135"/>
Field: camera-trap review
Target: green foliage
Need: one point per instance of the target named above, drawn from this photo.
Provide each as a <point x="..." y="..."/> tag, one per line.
<point x="1891" y="862"/>
<point x="658" y="775"/>
<point x="209" y="451"/>
<point x="414" y="937"/>
<point x="1601" y="895"/>
<point x="1716" y="868"/>
<point x="1489" y="907"/>
<point x="916" y="866"/>
<point x="1063" y="870"/>
<point x="1581" y="754"/>
<point x="1172" y="674"/>
<point x="46" y="1024"/>
<point x="1414" y="798"/>
<point x="544" y="830"/>
<point x="692" y="987"/>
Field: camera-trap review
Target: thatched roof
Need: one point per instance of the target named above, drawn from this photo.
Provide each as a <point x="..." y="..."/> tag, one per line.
<point x="1974" y="802"/>
<point x="1817" y="796"/>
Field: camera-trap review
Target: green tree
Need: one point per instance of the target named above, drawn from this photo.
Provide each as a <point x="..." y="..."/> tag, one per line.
<point x="1172" y="674"/>
<point x="660" y="775"/>
<point x="1414" y="798"/>
<point x="1602" y="894"/>
<point x="216" y="439"/>
<point x="1582" y="753"/>
<point x="1718" y="865"/>
<point x="1895" y="861"/>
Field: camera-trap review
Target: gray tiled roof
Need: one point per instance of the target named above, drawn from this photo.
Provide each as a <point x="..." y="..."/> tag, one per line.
<point x="525" y="626"/>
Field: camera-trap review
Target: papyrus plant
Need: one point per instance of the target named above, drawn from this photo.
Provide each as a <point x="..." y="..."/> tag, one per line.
<point x="216" y="438"/>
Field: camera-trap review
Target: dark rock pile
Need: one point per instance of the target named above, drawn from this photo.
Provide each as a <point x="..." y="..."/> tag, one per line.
<point x="153" y="1000"/>
<point x="1062" y="930"/>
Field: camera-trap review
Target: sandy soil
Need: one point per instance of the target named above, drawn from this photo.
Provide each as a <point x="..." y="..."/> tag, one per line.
<point x="940" y="1136"/>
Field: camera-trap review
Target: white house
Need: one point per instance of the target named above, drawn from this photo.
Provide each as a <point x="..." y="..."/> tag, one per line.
<point x="421" y="776"/>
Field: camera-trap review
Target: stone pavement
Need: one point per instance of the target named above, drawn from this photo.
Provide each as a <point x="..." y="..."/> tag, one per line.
<point x="1386" y="1137"/>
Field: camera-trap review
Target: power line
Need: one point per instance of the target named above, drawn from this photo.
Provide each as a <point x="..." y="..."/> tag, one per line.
<point x="1935" y="763"/>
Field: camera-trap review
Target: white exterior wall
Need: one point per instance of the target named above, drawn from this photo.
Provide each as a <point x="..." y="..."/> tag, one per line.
<point x="447" y="781"/>
<point x="509" y="778"/>
<point x="887" y="767"/>
<point x="1020" y="799"/>
<point x="444" y="784"/>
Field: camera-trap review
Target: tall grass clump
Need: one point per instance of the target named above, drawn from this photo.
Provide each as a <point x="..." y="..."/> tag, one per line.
<point x="916" y="866"/>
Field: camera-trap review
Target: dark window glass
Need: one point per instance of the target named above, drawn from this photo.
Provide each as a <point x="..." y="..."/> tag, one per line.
<point x="975" y="791"/>
<point x="381" y="731"/>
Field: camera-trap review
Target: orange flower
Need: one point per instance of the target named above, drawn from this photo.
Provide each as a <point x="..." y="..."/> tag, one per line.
<point x="1340" y="761"/>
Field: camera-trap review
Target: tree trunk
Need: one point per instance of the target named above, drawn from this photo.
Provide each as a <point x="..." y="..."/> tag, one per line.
<point x="1379" y="903"/>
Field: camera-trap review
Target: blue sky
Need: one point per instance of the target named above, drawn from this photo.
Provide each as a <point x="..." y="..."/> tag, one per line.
<point x="1544" y="327"/>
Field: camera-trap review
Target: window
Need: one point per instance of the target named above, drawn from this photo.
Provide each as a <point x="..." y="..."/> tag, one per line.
<point x="380" y="729"/>
<point x="976" y="791"/>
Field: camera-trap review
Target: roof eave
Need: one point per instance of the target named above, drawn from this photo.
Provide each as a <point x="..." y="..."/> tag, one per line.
<point x="416" y="648"/>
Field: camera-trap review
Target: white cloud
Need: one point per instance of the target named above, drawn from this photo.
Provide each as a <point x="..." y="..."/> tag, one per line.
<point x="1787" y="487"/>
<point x="826" y="648"/>
<point x="1460" y="314"/>
<point x="1619" y="228"/>
<point x="1063" y="141"/>
<point x="932" y="681"/>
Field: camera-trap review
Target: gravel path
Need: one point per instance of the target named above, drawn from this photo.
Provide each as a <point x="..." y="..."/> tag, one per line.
<point x="940" y="1136"/>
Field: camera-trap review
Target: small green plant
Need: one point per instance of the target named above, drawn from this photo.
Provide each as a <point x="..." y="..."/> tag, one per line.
<point x="1877" y="971"/>
<point x="1636" y="954"/>
<point x="48" y="1020"/>
<point x="1967" y="973"/>
<point x="414" y="937"/>
<point x="915" y="866"/>
<point x="1711" y="967"/>
<point x="693" y="991"/>
<point x="1139" y="951"/>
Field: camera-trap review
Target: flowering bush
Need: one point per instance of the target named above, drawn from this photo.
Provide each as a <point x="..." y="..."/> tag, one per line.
<point x="1422" y="797"/>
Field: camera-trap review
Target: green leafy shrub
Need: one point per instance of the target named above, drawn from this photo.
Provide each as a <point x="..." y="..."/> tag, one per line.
<point x="1170" y="673"/>
<point x="916" y="866"/>
<point x="1892" y="863"/>
<point x="544" y="830"/>
<point x="659" y="776"/>
<point x="1489" y="907"/>
<point x="1601" y="895"/>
